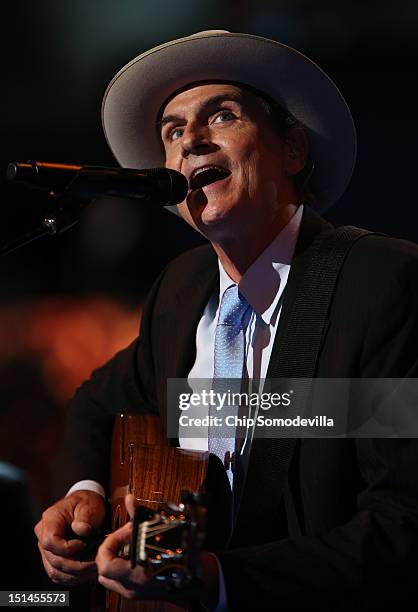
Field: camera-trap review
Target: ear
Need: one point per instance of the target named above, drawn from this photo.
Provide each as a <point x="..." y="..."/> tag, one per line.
<point x="296" y="149"/>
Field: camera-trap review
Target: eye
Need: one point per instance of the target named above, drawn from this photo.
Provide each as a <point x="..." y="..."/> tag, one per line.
<point x="224" y="116"/>
<point x="175" y="133"/>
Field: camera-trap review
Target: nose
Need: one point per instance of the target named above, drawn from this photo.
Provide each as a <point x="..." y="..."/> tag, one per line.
<point x="196" y="140"/>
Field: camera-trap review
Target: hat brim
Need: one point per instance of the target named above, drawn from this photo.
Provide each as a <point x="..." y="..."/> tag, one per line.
<point x="136" y="94"/>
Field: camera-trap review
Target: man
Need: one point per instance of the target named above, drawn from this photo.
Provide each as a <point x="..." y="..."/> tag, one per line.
<point x="258" y="129"/>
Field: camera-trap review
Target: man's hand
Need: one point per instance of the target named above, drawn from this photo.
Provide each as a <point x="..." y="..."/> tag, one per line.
<point x="83" y="512"/>
<point x="117" y="575"/>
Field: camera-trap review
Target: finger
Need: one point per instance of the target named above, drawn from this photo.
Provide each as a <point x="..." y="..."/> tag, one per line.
<point x="113" y="585"/>
<point x="134" y="589"/>
<point x="110" y="565"/>
<point x="50" y="532"/>
<point x="88" y="516"/>
<point x="71" y="566"/>
<point x="109" y="549"/>
<point x="114" y="542"/>
<point x="118" y="569"/>
<point x="60" y="577"/>
<point x="130" y="504"/>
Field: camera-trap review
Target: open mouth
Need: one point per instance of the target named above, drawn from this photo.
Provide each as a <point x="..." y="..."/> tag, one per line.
<point x="207" y="175"/>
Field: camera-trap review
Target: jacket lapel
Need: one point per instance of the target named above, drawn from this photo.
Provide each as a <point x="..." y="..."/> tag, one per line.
<point x="180" y="320"/>
<point x="176" y="327"/>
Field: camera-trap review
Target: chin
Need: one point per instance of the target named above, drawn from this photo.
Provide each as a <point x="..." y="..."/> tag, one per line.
<point x="218" y="224"/>
<point x="214" y="213"/>
<point x="211" y="214"/>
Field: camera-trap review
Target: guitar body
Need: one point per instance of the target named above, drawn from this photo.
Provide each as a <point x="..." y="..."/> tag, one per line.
<point x="145" y="465"/>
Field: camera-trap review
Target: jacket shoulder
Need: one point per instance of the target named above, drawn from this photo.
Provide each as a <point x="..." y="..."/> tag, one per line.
<point x="378" y="256"/>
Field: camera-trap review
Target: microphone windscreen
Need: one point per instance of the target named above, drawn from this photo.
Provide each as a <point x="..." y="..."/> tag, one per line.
<point x="172" y="185"/>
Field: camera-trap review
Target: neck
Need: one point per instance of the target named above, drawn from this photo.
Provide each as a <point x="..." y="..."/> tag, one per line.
<point x="237" y="252"/>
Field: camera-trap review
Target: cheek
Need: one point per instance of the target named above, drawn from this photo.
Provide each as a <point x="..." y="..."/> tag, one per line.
<point x="254" y="175"/>
<point x="248" y="173"/>
<point x="257" y="178"/>
<point x="170" y="162"/>
<point x="173" y="157"/>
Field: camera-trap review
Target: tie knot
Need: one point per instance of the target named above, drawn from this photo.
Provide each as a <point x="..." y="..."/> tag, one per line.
<point x="233" y="307"/>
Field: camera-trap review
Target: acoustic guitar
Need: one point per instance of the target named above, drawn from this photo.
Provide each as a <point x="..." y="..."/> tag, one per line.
<point x="169" y="525"/>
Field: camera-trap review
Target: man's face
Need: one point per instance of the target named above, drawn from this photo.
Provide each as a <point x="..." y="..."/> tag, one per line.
<point x="221" y="138"/>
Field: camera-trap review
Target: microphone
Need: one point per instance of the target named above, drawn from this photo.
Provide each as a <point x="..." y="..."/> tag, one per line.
<point x="160" y="185"/>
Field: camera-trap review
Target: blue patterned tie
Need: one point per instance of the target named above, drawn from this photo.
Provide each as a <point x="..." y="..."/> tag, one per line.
<point x="229" y="364"/>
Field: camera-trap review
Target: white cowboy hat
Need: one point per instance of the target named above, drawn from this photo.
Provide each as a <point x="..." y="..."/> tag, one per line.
<point x="134" y="97"/>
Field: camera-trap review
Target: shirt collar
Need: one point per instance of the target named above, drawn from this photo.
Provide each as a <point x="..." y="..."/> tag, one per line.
<point x="263" y="283"/>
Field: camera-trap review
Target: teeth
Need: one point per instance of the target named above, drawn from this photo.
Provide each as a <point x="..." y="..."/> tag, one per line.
<point x="207" y="175"/>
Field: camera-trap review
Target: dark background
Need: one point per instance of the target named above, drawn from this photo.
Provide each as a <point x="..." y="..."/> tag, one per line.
<point x="60" y="57"/>
<point x="67" y="303"/>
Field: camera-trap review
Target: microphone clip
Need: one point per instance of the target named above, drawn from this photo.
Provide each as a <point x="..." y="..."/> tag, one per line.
<point x="66" y="214"/>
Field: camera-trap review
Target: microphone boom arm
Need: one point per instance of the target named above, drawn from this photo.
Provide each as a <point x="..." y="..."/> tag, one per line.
<point x="62" y="219"/>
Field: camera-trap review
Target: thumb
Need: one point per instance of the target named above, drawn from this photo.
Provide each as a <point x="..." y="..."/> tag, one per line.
<point x="88" y="517"/>
<point x="130" y="504"/>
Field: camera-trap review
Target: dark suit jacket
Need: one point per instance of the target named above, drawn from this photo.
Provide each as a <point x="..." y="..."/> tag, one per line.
<point x="356" y="500"/>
